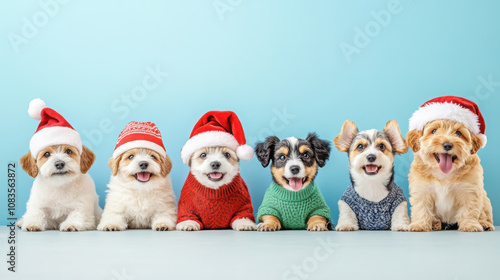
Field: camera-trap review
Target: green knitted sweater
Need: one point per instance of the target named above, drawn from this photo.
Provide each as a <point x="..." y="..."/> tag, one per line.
<point x="293" y="209"/>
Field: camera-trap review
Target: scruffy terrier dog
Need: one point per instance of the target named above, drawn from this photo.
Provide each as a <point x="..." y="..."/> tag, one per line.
<point x="140" y="191"/>
<point x="293" y="201"/>
<point x="373" y="201"/>
<point x="446" y="177"/>
<point x="214" y="195"/>
<point x="63" y="195"/>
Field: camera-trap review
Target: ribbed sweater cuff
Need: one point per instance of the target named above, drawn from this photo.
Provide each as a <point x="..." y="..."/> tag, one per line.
<point x="284" y="194"/>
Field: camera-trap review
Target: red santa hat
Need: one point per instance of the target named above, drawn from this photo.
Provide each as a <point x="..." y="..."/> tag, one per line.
<point x="139" y="135"/>
<point x="217" y="128"/>
<point x="52" y="130"/>
<point x="450" y="108"/>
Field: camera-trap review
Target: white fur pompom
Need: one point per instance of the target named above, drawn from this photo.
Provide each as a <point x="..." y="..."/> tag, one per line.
<point x="483" y="137"/>
<point x="244" y="152"/>
<point x="35" y="108"/>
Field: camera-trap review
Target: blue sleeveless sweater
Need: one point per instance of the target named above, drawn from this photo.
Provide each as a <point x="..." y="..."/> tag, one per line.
<point x="374" y="215"/>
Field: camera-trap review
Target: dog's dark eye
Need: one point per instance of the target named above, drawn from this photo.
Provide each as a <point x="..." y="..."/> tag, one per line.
<point x="282" y="157"/>
<point x="434" y="131"/>
<point x="227" y="155"/>
<point x="305" y="155"/>
<point x="360" y="147"/>
<point x="69" y="152"/>
<point x="153" y="157"/>
<point x="381" y="147"/>
<point x="203" y="156"/>
<point x="458" y="133"/>
<point x="47" y="154"/>
<point x="131" y="157"/>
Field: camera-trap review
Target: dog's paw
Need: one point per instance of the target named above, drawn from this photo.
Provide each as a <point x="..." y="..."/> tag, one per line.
<point x="19" y="223"/>
<point x="400" y="227"/>
<point x="69" y="228"/>
<point x="188" y="225"/>
<point x="346" y="227"/>
<point x="243" y="225"/>
<point x="32" y="227"/>
<point x="269" y="227"/>
<point x="487" y="226"/>
<point x="420" y="227"/>
<point x="161" y="226"/>
<point x="436" y="225"/>
<point x="317" y="227"/>
<point x="470" y="227"/>
<point x="110" y="227"/>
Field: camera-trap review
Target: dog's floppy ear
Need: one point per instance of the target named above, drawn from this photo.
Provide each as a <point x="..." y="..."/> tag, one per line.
<point x="476" y="142"/>
<point x="321" y="148"/>
<point x="28" y="163"/>
<point x="86" y="160"/>
<point x="166" y="165"/>
<point x="344" y="139"/>
<point x="413" y="139"/>
<point x="398" y="142"/>
<point x="114" y="163"/>
<point x="265" y="150"/>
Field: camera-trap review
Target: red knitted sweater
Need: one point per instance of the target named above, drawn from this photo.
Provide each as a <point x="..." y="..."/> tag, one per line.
<point x="215" y="209"/>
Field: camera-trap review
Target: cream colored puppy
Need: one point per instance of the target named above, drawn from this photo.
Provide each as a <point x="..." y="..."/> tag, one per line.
<point x="140" y="192"/>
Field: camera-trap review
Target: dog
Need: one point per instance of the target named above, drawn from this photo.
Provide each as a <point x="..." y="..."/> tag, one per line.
<point x="294" y="166"/>
<point x="373" y="201"/>
<point x="446" y="179"/>
<point x="63" y="195"/>
<point x="214" y="195"/>
<point x="140" y="194"/>
<point x="211" y="170"/>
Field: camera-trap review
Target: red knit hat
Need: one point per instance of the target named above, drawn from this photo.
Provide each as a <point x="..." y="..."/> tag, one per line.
<point x="52" y="130"/>
<point x="139" y="135"/>
<point x="217" y="128"/>
<point x="450" y="108"/>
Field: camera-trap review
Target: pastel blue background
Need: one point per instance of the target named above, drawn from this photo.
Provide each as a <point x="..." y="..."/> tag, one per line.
<point x="258" y="59"/>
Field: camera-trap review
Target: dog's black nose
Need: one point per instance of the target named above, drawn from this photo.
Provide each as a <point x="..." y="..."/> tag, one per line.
<point x="447" y="146"/>
<point x="59" y="164"/>
<point x="295" y="169"/>
<point x="143" y="164"/>
<point x="371" y="158"/>
<point x="215" y="164"/>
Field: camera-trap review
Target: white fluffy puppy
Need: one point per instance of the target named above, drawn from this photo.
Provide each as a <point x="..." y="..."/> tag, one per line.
<point x="63" y="196"/>
<point x="140" y="191"/>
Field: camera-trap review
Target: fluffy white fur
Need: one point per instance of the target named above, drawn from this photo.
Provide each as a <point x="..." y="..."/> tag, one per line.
<point x="215" y="139"/>
<point x="66" y="202"/>
<point x="448" y="111"/>
<point x="200" y="169"/>
<point x="133" y="204"/>
<point x="51" y="136"/>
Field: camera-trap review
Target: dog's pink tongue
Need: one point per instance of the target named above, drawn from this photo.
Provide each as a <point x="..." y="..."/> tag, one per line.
<point x="215" y="175"/>
<point x="296" y="183"/>
<point x="143" y="176"/>
<point x="371" y="168"/>
<point x="445" y="163"/>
